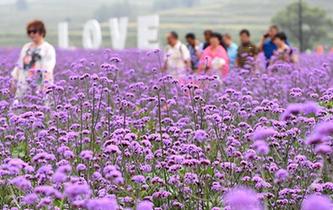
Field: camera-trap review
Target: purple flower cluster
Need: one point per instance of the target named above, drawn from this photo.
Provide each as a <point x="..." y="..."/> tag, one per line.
<point x="114" y="132"/>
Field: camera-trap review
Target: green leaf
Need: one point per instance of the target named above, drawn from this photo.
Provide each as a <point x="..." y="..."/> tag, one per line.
<point x="210" y="171"/>
<point x="58" y="203"/>
<point x="19" y="150"/>
<point x="328" y="104"/>
<point x="182" y="172"/>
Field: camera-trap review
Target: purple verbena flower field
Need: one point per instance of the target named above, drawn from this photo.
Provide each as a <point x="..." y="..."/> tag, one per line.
<point x="116" y="133"/>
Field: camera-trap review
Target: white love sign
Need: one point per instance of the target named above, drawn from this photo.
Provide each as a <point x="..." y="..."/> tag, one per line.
<point x="92" y="35"/>
<point x="118" y="30"/>
<point x="63" y="40"/>
<point x="147" y="33"/>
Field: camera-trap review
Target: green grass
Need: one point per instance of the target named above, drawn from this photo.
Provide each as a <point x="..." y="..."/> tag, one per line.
<point x="221" y="15"/>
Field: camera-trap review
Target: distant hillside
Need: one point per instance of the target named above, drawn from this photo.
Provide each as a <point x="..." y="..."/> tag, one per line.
<point x="221" y="15"/>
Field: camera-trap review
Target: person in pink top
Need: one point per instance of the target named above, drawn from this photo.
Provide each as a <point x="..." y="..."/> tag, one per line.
<point x="214" y="58"/>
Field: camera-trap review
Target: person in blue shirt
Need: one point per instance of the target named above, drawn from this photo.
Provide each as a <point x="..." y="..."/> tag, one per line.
<point x="194" y="49"/>
<point x="232" y="49"/>
<point x="266" y="44"/>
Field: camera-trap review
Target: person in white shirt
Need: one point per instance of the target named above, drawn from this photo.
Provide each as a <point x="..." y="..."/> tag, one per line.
<point x="36" y="62"/>
<point x="177" y="61"/>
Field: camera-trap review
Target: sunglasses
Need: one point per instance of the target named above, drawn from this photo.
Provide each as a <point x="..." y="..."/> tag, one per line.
<point x="32" y="31"/>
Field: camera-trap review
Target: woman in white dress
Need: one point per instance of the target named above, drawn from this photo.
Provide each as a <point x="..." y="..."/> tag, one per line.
<point x="36" y="62"/>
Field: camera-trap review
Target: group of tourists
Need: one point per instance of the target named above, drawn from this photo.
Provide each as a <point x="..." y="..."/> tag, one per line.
<point x="218" y="53"/>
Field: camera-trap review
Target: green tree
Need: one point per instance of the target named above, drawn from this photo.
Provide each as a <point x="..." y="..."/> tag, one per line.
<point x="316" y="24"/>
